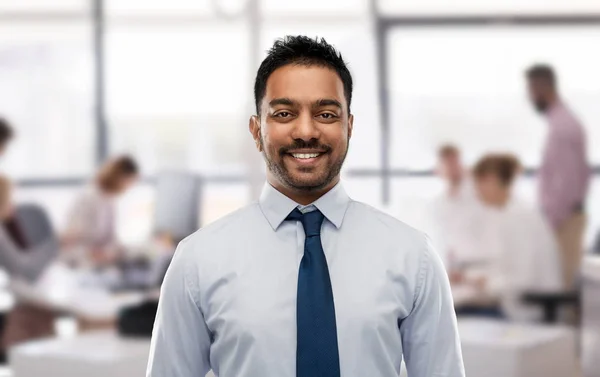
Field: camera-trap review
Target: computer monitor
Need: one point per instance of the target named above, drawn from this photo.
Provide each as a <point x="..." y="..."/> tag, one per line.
<point x="177" y="204"/>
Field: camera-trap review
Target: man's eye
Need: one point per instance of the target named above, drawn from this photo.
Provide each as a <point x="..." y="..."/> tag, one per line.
<point x="327" y="116"/>
<point x="283" y="114"/>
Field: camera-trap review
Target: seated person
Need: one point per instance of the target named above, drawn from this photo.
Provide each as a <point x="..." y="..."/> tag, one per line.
<point x="522" y="253"/>
<point x="24" y="322"/>
<point x="90" y="238"/>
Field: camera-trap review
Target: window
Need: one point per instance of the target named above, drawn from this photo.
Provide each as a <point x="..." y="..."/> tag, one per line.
<point x="135" y="215"/>
<point x="364" y="189"/>
<point x="493" y="7"/>
<point x="177" y="96"/>
<point x="316" y="8"/>
<point x="46" y="72"/>
<point x="222" y="198"/>
<point x="161" y="8"/>
<point x="412" y="200"/>
<point x="29" y="6"/>
<point x="356" y="43"/>
<point x="457" y="85"/>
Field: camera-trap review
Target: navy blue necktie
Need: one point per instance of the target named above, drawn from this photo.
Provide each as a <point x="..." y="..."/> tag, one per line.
<point x="317" y="347"/>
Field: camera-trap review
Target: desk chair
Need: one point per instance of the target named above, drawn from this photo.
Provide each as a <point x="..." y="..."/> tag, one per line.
<point x="551" y="302"/>
<point x="35" y="223"/>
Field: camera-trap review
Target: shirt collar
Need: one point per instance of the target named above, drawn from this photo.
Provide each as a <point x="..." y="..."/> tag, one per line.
<point x="276" y="206"/>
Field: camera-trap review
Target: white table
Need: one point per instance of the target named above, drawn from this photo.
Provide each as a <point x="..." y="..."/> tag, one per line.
<point x="499" y="349"/>
<point x="590" y="332"/>
<point x="490" y="349"/>
<point x="94" y="354"/>
<point x="97" y="354"/>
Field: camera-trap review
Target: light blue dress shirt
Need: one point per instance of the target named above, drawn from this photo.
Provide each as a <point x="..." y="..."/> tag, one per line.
<point x="228" y="301"/>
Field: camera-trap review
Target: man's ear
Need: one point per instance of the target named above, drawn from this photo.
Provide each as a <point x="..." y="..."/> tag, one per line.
<point x="350" y="125"/>
<point x="254" y="127"/>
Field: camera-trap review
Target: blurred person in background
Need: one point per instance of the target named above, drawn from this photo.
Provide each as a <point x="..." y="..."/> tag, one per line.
<point x="455" y="210"/>
<point x="90" y="236"/>
<point x="252" y="294"/>
<point x="24" y="322"/>
<point x="6" y="135"/>
<point x="11" y="224"/>
<point x="564" y="173"/>
<point x="521" y="251"/>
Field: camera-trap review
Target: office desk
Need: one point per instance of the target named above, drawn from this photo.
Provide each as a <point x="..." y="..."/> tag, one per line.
<point x="94" y="354"/>
<point x="97" y="354"/>
<point x="60" y="289"/>
<point x="500" y="349"/>
<point x="490" y="349"/>
<point x="590" y="331"/>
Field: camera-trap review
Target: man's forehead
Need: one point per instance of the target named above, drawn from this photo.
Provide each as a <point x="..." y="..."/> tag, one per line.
<point x="304" y="84"/>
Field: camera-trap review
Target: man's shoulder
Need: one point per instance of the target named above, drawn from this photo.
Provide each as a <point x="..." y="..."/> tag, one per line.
<point x="565" y="122"/>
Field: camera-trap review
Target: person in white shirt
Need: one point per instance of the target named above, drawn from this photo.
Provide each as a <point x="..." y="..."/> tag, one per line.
<point x="523" y="253"/>
<point x="306" y="282"/>
<point x="90" y="237"/>
<point x="455" y="212"/>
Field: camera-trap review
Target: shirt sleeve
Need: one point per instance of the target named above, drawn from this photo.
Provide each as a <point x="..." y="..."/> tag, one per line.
<point x="563" y="177"/>
<point x="181" y="340"/>
<point x="429" y="333"/>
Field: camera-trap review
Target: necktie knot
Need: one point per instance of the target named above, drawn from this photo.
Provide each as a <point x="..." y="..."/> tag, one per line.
<point x="311" y="221"/>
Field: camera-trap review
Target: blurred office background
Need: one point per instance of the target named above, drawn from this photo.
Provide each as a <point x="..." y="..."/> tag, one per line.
<point x="170" y="83"/>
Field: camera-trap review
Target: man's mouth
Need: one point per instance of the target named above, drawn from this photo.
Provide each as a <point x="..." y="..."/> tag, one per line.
<point x="305" y="156"/>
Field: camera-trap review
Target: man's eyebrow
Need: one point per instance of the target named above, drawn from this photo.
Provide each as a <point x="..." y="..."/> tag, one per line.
<point x="327" y="102"/>
<point x="282" y="101"/>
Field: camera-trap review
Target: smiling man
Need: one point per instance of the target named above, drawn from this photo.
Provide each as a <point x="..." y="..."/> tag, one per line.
<point x="306" y="282"/>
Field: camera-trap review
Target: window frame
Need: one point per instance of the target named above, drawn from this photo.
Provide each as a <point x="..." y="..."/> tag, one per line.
<point x="383" y="25"/>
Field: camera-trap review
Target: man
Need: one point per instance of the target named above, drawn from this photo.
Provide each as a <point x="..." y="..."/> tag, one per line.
<point x="458" y="233"/>
<point x="564" y="174"/>
<point x="451" y="170"/>
<point x="455" y="211"/>
<point x="306" y="282"/>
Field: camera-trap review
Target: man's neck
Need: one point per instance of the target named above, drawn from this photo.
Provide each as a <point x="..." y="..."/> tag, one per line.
<point x="454" y="188"/>
<point x="300" y="196"/>
<point x="501" y="200"/>
<point x="553" y="103"/>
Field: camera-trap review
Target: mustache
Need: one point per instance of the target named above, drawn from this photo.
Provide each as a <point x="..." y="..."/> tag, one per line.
<point x="301" y="144"/>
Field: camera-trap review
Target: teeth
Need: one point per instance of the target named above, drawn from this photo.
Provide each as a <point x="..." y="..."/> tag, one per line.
<point x="305" y="155"/>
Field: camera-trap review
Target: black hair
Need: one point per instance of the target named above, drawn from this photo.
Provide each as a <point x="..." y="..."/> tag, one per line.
<point x="543" y="72"/>
<point x="448" y="150"/>
<point x="6" y="131"/>
<point x="301" y="50"/>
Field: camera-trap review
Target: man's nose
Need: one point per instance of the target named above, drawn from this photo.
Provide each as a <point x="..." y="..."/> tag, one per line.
<point x="306" y="128"/>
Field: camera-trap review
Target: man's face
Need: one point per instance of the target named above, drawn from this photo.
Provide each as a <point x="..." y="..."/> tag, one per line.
<point x="450" y="167"/>
<point x="539" y="94"/>
<point x="304" y="127"/>
<point x="488" y="188"/>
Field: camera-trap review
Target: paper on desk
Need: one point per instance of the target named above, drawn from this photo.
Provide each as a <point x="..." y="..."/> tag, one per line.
<point x="64" y="289"/>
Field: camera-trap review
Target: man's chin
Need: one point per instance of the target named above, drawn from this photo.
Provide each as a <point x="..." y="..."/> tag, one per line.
<point x="308" y="185"/>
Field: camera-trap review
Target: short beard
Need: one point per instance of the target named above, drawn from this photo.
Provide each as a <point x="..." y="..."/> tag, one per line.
<point x="283" y="175"/>
<point x="541" y="107"/>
